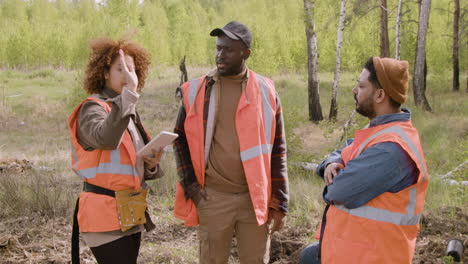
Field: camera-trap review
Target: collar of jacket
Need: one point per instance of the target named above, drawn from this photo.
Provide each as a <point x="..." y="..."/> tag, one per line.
<point x="213" y="76"/>
<point x="404" y="115"/>
<point x="107" y="93"/>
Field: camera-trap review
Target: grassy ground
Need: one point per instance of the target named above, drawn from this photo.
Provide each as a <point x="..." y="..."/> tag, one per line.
<point x="38" y="193"/>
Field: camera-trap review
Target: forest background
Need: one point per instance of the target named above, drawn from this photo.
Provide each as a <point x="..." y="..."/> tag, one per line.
<point x="43" y="52"/>
<point x="56" y="33"/>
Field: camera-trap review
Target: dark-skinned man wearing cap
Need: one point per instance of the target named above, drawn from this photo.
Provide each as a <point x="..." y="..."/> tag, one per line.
<point x="231" y="155"/>
<point x="376" y="185"/>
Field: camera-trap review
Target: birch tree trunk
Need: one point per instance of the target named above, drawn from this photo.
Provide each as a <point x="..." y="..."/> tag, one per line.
<point x="456" y="66"/>
<point x="315" y="108"/>
<point x="397" y="31"/>
<point x="384" y="42"/>
<point x="339" y="39"/>
<point x="419" y="80"/>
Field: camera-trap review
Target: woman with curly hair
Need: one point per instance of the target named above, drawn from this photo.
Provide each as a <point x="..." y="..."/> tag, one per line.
<point x="106" y="133"/>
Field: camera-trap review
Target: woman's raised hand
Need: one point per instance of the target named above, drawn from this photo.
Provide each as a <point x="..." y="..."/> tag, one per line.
<point x="129" y="73"/>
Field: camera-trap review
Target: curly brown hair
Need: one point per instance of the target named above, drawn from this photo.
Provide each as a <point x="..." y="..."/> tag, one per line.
<point x="103" y="53"/>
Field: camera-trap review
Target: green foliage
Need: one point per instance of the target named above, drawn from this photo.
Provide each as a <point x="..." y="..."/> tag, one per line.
<point x="56" y="33"/>
<point x="77" y="93"/>
<point x="448" y="260"/>
<point x="294" y="110"/>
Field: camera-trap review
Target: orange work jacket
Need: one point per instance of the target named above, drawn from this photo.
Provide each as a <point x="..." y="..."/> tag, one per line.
<point x="385" y="229"/>
<point x="110" y="169"/>
<point x="255" y="125"/>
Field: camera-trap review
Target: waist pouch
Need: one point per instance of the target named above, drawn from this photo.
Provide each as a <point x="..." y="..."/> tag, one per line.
<point x="131" y="207"/>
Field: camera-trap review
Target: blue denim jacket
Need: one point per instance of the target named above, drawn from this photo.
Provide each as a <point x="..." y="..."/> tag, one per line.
<point x="383" y="167"/>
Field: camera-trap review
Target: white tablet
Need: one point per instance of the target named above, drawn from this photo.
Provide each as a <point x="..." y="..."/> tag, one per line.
<point x="163" y="139"/>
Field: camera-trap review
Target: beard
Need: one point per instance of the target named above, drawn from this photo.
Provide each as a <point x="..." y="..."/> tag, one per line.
<point x="231" y="68"/>
<point x="365" y="107"/>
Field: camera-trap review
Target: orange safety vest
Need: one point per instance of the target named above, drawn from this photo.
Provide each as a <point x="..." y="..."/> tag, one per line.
<point x="255" y="123"/>
<point x="110" y="169"/>
<point x="385" y="229"/>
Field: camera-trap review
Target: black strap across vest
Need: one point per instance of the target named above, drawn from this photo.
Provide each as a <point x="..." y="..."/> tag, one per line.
<point x="75" y="241"/>
<point x="322" y="230"/>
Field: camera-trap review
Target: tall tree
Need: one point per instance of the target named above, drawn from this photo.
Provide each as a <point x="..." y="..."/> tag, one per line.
<point x="397" y="30"/>
<point x="384" y="42"/>
<point x="339" y="39"/>
<point x="456" y="66"/>
<point x="419" y="79"/>
<point x="315" y="109"/>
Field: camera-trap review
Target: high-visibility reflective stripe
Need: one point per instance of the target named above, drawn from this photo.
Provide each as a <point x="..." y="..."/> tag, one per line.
<point x="74" y="157"/>
<point x="112" y="167"/>
<point x="267" y="116"/>
<point x="402" y="134"/>
<point x="411" y="207"/>
<point x="267" y="119"/>
<point x="210" y="124"/>
<point x="382" y="215"/>
<point x="109" y="168"/>
<point x="193" y="91"/>
<point x="256" y="151"/>
<point x="377" y="214"/>
<point x="115" y="156"/>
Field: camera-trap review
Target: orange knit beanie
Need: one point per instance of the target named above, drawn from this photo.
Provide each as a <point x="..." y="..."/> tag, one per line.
<point x="393" y="77"/>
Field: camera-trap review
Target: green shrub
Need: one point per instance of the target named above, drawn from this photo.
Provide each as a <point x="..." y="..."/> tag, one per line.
<point x="42" y="33"/>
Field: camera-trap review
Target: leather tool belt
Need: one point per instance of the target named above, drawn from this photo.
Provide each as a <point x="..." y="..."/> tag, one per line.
<point x="131" y="209"/>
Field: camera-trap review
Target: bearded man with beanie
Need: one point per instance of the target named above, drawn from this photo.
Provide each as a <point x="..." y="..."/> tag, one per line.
<point x="231" y="155"/>
<point x="376" y="185"/>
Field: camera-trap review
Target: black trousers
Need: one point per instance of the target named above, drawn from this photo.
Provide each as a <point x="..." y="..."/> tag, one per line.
<point x="121" y="251"/>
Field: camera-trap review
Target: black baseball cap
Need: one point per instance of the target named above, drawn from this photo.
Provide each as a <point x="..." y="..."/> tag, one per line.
<point x="234" y="30"/>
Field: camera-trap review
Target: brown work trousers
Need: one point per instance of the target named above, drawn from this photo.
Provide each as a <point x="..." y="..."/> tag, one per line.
<point x="222" y="216"/>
